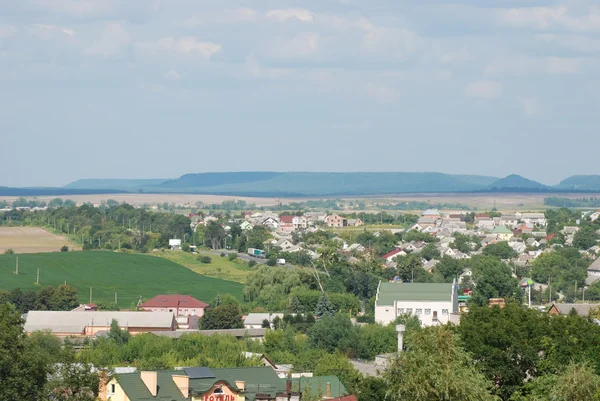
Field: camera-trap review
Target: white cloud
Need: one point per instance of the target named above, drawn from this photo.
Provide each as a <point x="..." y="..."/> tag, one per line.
<point x="300" y="46"/>
<point x="561" y="65"/>
<point x="484" y="90"/>
<point x="551" y="17"/>
<point x="172" y="75"/>
<point x="44" y="30"/>
<point x="258" y="71"/>
<point x="530" y="106"/>
<point x="187" y="46"/>
<point x="397" y="41"/>
<point x="76" y="8"/>
<point x="114" y="41"/>
<point x="7" y="30"/>
<point x="291" y="13"/>
<point x="573" y="42"/>
<point x="381" y="93"/>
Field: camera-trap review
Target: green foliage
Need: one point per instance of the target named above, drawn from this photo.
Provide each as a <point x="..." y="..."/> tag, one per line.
<point x="73" y="382"/>
<point x="64" y="248"/>
<point x="324" y="308"/>
<point x="232" y="257"/>
<point x="494" y="279"/>
<point x="109" y="306"/>
<point x="449" y="268"/>
<point x="251" y="263"/>
<point x="9" y="251"/>
<point x="564" y="267"/>
<point x="23" y="370"/>
<point x="435" y="367"/>
<point x="117" y="335"/>
<point x="414" y="235"/>
<point x="205" y="259"/>
<point x="585" y="238"/>
<point x="373" y="340"/>
<point x="333" y="332"/>
<point x="225" y="316"/>
<point x="500" y="250"/>
<point x="430" y="252"/>
<point x="64" y="298"/>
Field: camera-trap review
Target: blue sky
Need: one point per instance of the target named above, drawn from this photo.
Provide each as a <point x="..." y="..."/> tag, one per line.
<point x="157" y="88"/>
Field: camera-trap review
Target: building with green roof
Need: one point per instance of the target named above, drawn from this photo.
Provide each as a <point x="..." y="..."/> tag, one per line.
<point x="502" y="233"/>
<point x="319" y="386"/>
<point x="432" y="303"/>
<point x="201" y="384"/>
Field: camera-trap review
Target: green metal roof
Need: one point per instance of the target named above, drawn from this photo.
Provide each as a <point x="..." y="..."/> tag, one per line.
<point x="390" y="292"/>
<point x="317" y="385"/>
<point x="501" y="230"/>
<point x="136" y="390"/>
<point x="261" y="379"/>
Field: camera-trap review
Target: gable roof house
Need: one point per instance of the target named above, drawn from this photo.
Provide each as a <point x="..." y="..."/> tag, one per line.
<point x="503" y="233"/>
<point x="179" y="305"/>
<point x="202" y="383"/>
<point x="271" y="223"/>
<point x="565" y="309"/>
<point x="431" y="303"/>
<point x="390" y="256"/>
<point x="335" y="221"/>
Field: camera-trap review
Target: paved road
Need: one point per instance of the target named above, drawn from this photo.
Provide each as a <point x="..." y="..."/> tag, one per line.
<point x="243" y="256"/>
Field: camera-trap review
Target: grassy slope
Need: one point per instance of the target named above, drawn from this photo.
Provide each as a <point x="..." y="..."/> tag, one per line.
<point x="220" y="267"/>
<point x="129" y="275"/>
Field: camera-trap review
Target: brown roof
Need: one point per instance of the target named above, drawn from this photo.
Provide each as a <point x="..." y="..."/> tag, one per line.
<point x="286" y="219"/>
<point x="174" y="301"/>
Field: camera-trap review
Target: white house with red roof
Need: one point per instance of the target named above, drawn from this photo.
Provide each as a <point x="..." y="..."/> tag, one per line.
<point x="389" y="257"/>
<point x="180" y="305"/>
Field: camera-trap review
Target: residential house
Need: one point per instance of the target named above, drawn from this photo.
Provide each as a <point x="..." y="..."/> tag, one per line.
<point x="502" y="233"/>
<point x="426" y="222"/>
<point x="200" y="384"/>
<point x="86" y="324"/>
<point x="431" y="214"/>
<point x="86" y="308"/>
<point x="179" y="305"/>
<point x="256" y="320"/>
<point x="565" y="309"/>
<point x="390" y="256"/>
<point x="335" y="221"/>
<point x="315" y="217"/>
<point x="355" y="223"/>
<point x="429" y="265"/>
<point x="594" y="216"/>
<point x="536" y="219"/>
<point x="355" y="248"/>
<point x="532" y="242"/>
<point x="246" y="226"/>
<point x="300" y="223"/>
<point x="485" y="224"/>
<point x="593" y="272"/>
<point x="319" y="387"/>
<point x="517" y="246"/>
<point x="432" y="303"/>
<point x="271" y="223"/>
<point x="286" y="223"/>
<point x="509" y="220"/>
<point x="283" y="244"/>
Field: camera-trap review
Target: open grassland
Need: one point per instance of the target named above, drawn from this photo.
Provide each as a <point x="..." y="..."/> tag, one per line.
<point x="219" y="267"/>
<point x="129" y="275"/>
<point x="31" y="240"/>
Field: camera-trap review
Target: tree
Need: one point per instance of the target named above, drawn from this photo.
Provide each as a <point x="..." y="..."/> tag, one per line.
<point x="64" y="298"/>
<point x="501" y="250"/>
<point x="435" y="367"/>
<point x="116" y="334"/>
<point x="23" y="371"/>
<point x="409" y="267"/>
<point x="430" y="252"/>
<point x="585" y="238"/>
<point x="324" y="307"/>
<point x="44" y="298"/>
<point x="493" y="279"/>
<point x="215" y="234"/>
<point x="73" y="382"/>
<point x="332" y="332"/>
<point x="226" y="316"/>
<point x="449" y="268"/>
<point x="9" y="251"/>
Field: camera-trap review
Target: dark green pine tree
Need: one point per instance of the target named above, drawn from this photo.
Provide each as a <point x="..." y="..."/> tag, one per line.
<point x="324" y="307"/>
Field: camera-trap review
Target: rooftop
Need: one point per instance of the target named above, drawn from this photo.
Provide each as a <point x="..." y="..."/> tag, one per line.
<point x="390" y="292"/>
<point x="174" y="301"/>
<point x="501" y="230"/>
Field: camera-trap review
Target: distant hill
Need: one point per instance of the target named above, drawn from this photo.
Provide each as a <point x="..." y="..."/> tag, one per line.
<point x="122" y="184"/>
<point x="8" y="191"/>
<point x="580" y="183"/>
<point x="323" y="184"/>
<point x="516" y="182"/>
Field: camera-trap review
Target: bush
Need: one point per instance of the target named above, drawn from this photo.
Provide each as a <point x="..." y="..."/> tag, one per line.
<point x="232" y="257"/>
<point x="9" y="251"/>
<point x="223" y="254"/>
<point x="64" y="248"/>
<point x="271" y="262"/>
<point x="205" y="259"/>
<point x="185" y="247"/>
<point x="252" y="263"/>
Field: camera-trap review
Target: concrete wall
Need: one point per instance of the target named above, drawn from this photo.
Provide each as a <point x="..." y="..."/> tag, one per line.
<point x="387" y="314"/>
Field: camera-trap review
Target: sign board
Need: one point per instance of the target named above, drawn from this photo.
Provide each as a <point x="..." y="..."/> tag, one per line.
<point x="174" y="242"/>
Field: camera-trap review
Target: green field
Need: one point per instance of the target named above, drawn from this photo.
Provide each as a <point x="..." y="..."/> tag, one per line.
<point x="219" y="267"/>
<point x="129" y="275"/>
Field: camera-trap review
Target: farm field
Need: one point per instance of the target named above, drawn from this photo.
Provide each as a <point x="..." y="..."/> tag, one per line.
<point x="129" y="275"/>
<point x="219" y="267"/>
<point x="31" y="240"/>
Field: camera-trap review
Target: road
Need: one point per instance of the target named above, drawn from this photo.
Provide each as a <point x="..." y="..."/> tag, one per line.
<point x="243" y="256"/>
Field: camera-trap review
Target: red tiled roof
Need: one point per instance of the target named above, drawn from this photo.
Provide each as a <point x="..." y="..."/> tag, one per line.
<point x="286" y="219"/>
<point x="173" y="301"/>
<point x="550" y="237"/>
<point x="392" y="253"/>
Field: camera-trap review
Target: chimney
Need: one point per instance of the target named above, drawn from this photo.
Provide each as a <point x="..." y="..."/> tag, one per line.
<point x="241" y="385"/>
<point x="328" y="390"/>
<point x="183" y="384"/>
<point x="150" y="379"/>
<point x="400" y="329"/>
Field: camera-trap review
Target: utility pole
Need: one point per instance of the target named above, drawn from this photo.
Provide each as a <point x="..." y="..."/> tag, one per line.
<point x="17" y="267"/>
<point x="90" y="294"/>
<point x="115" y="297"/>
<point x="38" y="277"/>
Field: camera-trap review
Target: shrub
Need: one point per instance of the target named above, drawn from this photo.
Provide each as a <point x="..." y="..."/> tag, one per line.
<point x="232" y="257"/>
<point x="9" y="251"/>
<point x="64" y="248"/>
<point x="223" y="254"/>
<point x="205" y="259"/>
<point x="252" y="263"/>
<point x="271" y="262"/>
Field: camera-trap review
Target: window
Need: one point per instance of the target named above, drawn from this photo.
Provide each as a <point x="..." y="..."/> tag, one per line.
<point x="400" y="311"/>
<point x="409" y="311"/>
<point x="418" y="311"/>
<point x="112" y="389"/>
<point x="444" y="312"/>
<point x="428" y="312"/>
<point x="435" y="316"/>
<point x="218" y="391"/>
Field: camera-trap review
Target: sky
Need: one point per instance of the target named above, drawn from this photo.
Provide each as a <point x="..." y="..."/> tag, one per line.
<point x="160" y="88"/>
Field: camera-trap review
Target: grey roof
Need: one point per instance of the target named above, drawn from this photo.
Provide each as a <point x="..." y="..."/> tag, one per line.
<point x="234" y="332"/>
<point x="199" y="373"/>
<point x="258" y="318"/>
<point x="595" y="265"/>
<point x="591" y="279"/>
<point x="75" y="322"/>
<point x="581" y="309"/>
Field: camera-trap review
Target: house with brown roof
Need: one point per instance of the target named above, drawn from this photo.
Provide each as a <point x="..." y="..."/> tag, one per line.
<point x="565" y="309"/>
<point x="180" y="305"/>
<point x="335" y="221"/>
